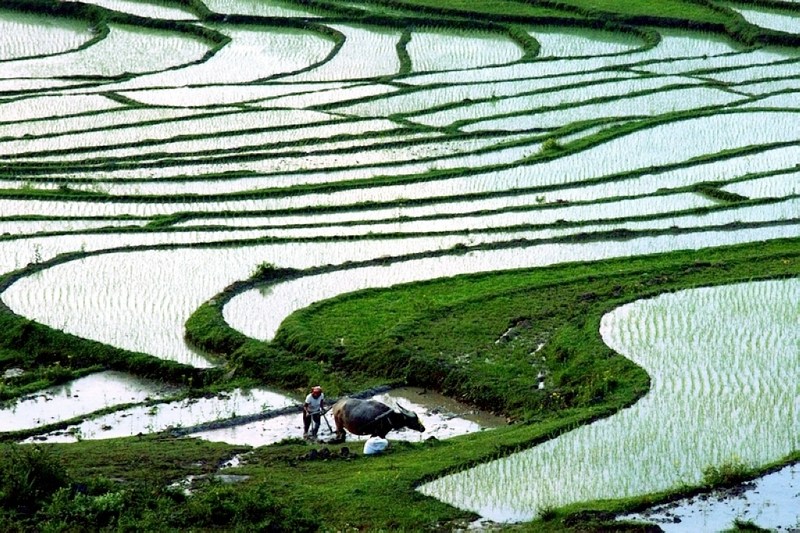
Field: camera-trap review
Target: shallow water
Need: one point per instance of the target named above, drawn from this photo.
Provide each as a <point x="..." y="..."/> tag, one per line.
<point x="227" y="140"/>
<point x="16" y="254"/>
<point x="674" y="44"/>
<point x="757" y="73"/>
<point x="549" y="216"/>
<point x="145" y="9"/>
<point x="219" y="94"/>
<point x="349" y="64"/>
<point x="779" y="186"/>
<point x="24" y="35"/>
<point x="771" y="501"/>
<point x="783" y="21"/>
<point x="140" y="300"/>
<point x="79" y="397"/>
<point x="31" y="227"/>
<point x="568" y="42"/>
<point x="742" y="60"/>
<point x="261" y="8"/>
<point x="169" y="132"/>
<point x="266" y="53"/>
<point x="420" y="100"/>
<point x="625" y="107"/>
<point x="444" y="50"/>
<point x="81" y="113"/>
<point x="442" y="417"/>
<point x="538" y="101"/>
<point x="117" y="54"/>
<point x="163" y="416"/>
<point x="41" y="107"/>
<point x="291" y="169"/>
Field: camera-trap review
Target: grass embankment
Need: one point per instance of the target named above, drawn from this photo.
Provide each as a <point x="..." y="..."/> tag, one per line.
<point x="478" y="337"/>
<point x="444" y="334"/>
<point x="682" y="14"/>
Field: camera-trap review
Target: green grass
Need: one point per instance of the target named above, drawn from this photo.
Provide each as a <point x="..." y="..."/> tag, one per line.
<point x="677" y="9"/>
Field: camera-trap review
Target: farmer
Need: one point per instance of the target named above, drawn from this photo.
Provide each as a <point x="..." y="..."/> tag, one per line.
<point x="312" y="411"/>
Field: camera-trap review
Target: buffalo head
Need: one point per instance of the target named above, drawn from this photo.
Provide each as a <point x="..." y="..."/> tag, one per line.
<point x="409" y="419"/>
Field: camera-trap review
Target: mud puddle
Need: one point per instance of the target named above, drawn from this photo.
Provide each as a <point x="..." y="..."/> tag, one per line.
<point x="442" y="417"/>
<point x="163" y="416"/>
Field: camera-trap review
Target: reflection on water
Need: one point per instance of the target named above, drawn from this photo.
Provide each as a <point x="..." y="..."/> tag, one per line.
<point x="771" y="502"/>
<point x="80" y="397"/>
<point x="159" y="417"/>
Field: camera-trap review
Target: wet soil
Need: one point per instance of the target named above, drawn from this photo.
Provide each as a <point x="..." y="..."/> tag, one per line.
<point x="771" y="502"/>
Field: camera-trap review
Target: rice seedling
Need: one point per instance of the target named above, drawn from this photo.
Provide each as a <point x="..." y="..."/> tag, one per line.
<point x="272" y="8"/>
<point x="577" y="42"/>
<point x="631" y="107"/>
<point x="548" y="99"/>
<point x="776" y="69"/>
<point x="720" y="65"/>
<point x="778" y="186"/>
<point x="114" y="55"/>
<point x="146" y="9"/>
<point x="785" y="21"/>
<point x="248" y="46"/>
<point x="16" y="112"/>
<point x="778" y="101"/>
<point x="380" y="41"/>
<point x="222" y="94"/>
<point x="42" y="36"/>
<point x="432" y="50"/>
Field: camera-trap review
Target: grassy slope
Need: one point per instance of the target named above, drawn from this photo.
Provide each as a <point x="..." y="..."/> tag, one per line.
<point x="480" y="7"/>
<point x="438" y="321"/>
<point x="688" y="11"/>
<point x="678" y="9"/>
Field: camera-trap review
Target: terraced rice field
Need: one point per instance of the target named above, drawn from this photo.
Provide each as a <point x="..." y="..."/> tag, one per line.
<point x="172" y="151"/>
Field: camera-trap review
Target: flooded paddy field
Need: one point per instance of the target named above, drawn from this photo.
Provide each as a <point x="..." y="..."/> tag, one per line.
<point x="137" y="183"/>
<point x="28" y="35"/>
<point x="442" y="417"/>
<point x="164" y="416"/>
<point x="79" y="397"/>
<point x="697" y="379"/>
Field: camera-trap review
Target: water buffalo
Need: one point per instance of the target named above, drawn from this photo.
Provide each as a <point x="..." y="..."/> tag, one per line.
<point x="371" y="417"/>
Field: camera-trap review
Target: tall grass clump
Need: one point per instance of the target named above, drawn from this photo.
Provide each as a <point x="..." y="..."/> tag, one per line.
<point x="29" y="476"/>
<point x="144" y="506"/>
<point x="726" y="474"/>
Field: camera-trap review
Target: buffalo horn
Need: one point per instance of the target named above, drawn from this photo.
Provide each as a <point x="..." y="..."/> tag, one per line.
<point x="405" y="411"/>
